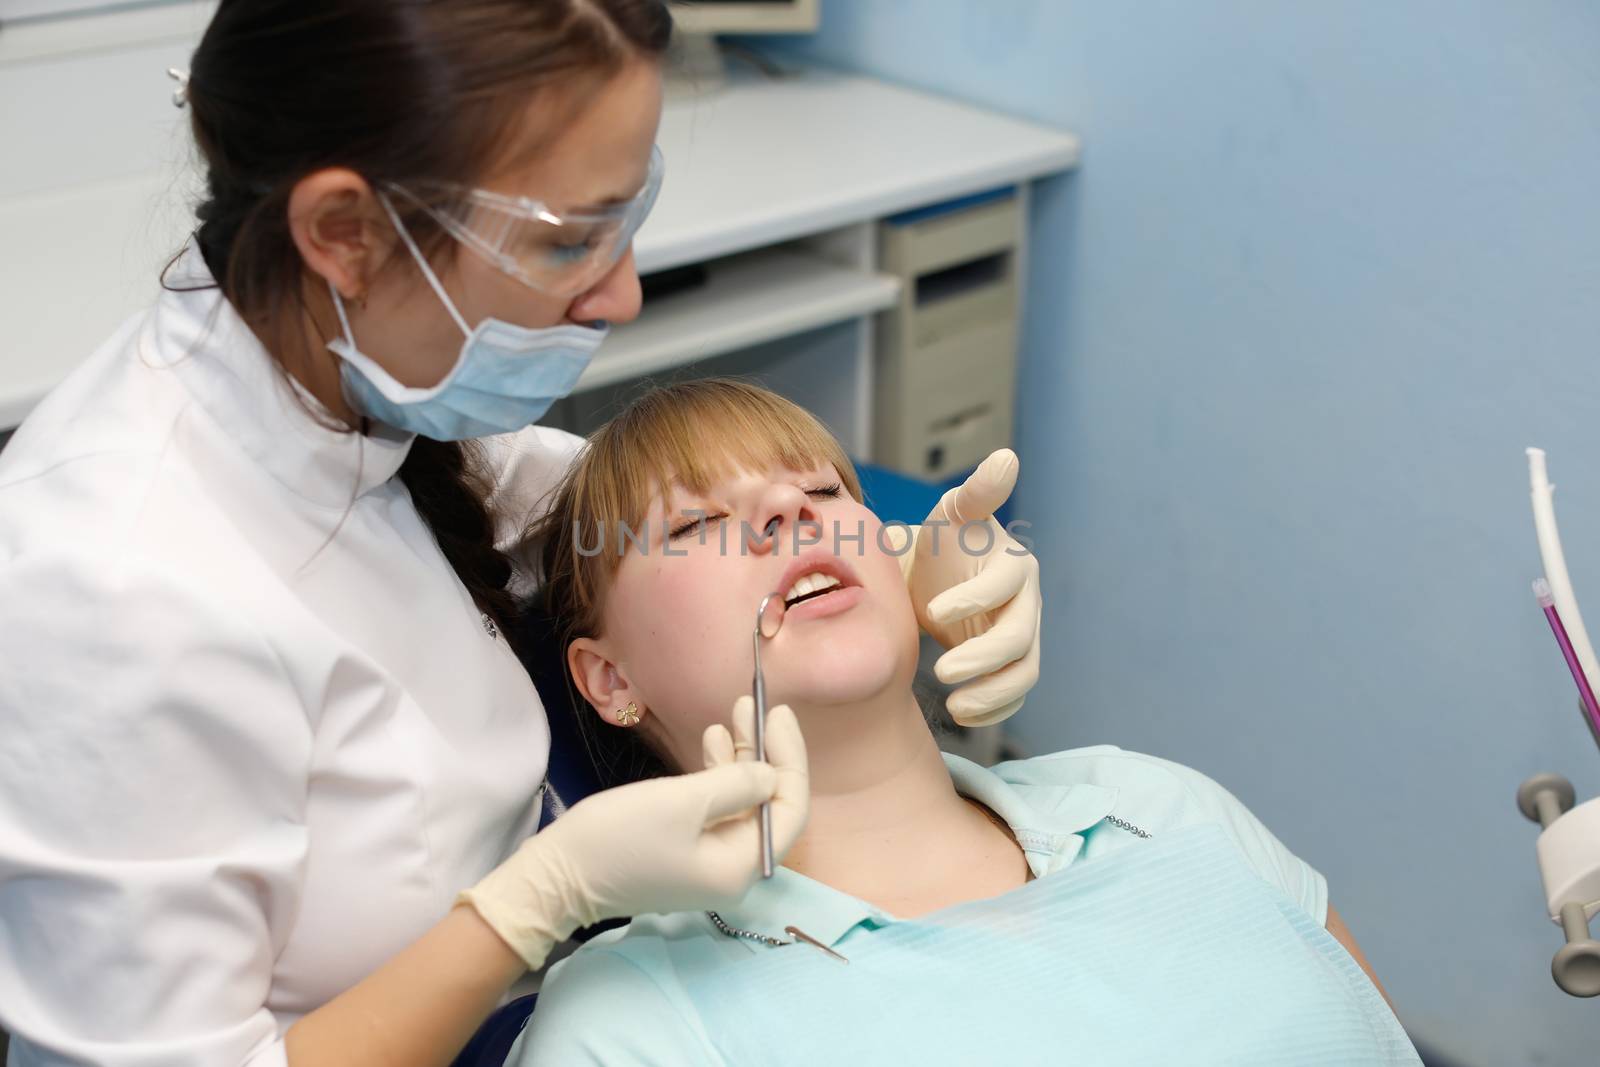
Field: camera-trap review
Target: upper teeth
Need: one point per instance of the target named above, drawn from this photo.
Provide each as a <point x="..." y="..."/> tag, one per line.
<point x="809" y="584"/>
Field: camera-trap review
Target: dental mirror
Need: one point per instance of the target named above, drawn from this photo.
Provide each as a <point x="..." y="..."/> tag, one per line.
<point x="769" y="619"/>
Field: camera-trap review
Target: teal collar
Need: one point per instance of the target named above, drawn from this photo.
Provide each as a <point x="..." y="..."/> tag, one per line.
<point x="1048" y="822"/>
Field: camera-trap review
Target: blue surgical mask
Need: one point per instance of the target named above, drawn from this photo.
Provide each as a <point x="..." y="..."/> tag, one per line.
<point x="506" y="377"/>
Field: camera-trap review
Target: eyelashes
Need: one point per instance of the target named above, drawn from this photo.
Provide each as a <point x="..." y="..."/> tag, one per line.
<point x="827" y="492"/>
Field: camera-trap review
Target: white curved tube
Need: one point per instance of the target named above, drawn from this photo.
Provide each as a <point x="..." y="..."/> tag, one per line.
<point x="1555" y="566"/>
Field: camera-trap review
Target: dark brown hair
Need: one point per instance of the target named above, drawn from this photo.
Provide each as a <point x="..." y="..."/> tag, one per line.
<point x="408" y="91"/>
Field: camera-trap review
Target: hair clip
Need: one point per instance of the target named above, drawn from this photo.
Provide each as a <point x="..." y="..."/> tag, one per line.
<point x="180" y="95"/>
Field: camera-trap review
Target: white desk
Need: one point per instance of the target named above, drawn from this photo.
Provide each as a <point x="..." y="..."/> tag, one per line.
<point x="808" y="164"/>
<point x="767" y="161"/>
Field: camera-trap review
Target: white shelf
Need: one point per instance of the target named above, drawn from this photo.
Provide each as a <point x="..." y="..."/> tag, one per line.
<point x="747" y="300"/>
<point x="762" y="161"/>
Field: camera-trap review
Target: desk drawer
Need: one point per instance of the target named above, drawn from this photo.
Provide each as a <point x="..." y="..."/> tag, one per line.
<point x="914" y="248"/>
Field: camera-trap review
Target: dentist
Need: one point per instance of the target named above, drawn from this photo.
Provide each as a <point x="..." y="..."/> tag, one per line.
<point x="269" y="768"/>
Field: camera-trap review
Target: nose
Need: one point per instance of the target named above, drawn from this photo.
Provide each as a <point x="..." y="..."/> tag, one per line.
<point x="615" y="298"/>
<point x="776" y="519"/>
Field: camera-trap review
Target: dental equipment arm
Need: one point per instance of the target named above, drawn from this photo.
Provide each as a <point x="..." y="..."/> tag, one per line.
<point x="1569" y="861"/>
<point x="1570" y="869"/>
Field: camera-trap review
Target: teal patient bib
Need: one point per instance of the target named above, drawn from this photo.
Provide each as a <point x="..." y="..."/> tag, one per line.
<point x="1167" y="951"/>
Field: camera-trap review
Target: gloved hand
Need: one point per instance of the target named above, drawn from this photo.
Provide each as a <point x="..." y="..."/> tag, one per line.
<point x="687" y="842"/>
<point x="985" y="608"/>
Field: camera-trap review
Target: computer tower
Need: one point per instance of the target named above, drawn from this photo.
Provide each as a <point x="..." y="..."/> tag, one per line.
<point x="946" y="355"/>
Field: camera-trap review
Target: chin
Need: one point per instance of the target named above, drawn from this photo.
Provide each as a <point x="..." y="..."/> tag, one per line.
<point x="845" y="672"/>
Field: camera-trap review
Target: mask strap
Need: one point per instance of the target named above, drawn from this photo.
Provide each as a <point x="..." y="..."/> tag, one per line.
<point x="344" y="320"/>
<point x="422" y="262"/>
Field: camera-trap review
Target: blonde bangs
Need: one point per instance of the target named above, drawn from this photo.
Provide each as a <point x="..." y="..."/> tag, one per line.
<point x="696" y="434"/>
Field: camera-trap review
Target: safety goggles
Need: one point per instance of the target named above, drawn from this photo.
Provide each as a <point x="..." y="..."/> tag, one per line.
<point x="558" y="253"/>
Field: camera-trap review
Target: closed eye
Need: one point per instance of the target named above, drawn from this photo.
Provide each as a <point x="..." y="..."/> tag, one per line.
<point x="827" y="492"/>
<point x="693" y="524"/>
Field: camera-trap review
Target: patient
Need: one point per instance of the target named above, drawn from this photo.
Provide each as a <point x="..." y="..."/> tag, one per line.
<point x="1093" y="906"/>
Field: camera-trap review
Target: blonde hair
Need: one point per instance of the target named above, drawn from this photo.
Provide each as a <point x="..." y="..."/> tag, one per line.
<point x="693" y="433"/>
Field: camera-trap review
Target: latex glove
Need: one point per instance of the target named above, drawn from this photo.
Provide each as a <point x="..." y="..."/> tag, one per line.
<point x="686" y="842"/>
<point x="984" y="609"/>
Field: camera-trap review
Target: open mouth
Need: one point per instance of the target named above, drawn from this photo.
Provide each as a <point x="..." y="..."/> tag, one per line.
<point x="818" y="576"/>
<point x="818" y="584"/>
<point x="822" y="586"/>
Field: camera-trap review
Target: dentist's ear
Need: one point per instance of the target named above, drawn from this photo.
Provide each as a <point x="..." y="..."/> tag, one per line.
<point x="338" y="227"/>
<point x="602" y="685"/>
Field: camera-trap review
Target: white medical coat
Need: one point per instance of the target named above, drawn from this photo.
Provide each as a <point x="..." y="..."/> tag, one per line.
<point x="254" y="733"/>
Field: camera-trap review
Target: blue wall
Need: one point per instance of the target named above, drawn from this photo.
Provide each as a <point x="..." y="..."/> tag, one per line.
<point x="1325" y="272"/>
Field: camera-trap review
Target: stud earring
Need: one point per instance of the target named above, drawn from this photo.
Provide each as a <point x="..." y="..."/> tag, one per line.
<point x="629" y="715"/>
